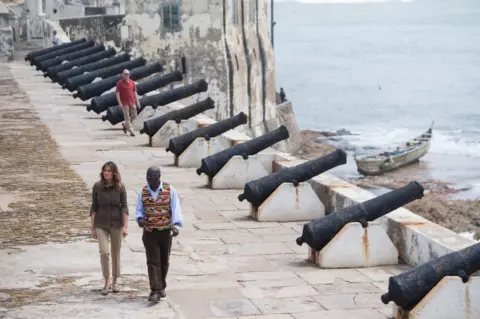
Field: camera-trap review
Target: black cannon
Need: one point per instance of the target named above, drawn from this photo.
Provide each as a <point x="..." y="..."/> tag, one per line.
<point x="90" y="90"/>
<point x="75" y="82"/>
<point x="211" y="165"/>
<point x="409" y="288"/>
<point x="62" y="76"/>
<point x="152" y="126"/>
<point x="52" y="71"/>
<point x="74" y="48"/>
<point x="318" y="233"/>
<point x="179" y="144"/>
<point x="257" y="191"/>
<point x="115" y="115"/>
<point x="44" y="65"/>
<point x="103" y="102"/>
<point x="29" y="56"/>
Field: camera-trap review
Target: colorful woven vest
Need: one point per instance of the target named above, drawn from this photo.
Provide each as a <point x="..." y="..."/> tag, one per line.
<point x="157" y="211"/>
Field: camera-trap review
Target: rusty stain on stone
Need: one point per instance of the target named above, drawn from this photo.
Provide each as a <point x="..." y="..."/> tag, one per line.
<point x="365" y="244"/>
<point x="297" y="197"/>
<point x="468" y="305"/>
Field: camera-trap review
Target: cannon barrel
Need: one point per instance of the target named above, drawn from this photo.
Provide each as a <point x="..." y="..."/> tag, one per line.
<point x="152" y="126"/>
<point x="409" y="288"/>
<point x="62" y="76"/>
<point x="179" y="144"/>
<point x="44" y="65"/>
<point x="103" y="102"/>
<point x="52" y="71"/>
<point x="90" y="90"/>
<point x="115" y="115"/>
<point x="257" y="191"/>
<point x="318" y="233"/>
<point x="29" y="56"/>
<point x="51" y="55"/>
<point x="212" y="164"/>
<point x="75" y="82"/>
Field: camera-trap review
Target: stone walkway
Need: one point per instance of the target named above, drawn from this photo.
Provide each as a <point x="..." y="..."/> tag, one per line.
<point x="223" y="264"/>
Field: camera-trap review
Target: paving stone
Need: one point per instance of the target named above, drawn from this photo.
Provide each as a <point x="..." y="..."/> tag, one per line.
<point x="255" y="292"/>
<point x="328" y="276"/>
<point x="287" y="305"/>
<point x="341" y="314"/>
<point x="342" y="287"/>
<point x="337" y="302"/>
<point x="233" y="307"/>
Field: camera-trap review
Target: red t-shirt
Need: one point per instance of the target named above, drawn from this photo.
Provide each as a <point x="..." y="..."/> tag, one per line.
<point x="127" y="91"/>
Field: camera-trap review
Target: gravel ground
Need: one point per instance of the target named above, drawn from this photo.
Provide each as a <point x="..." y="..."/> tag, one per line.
<point x="42" y="198"/>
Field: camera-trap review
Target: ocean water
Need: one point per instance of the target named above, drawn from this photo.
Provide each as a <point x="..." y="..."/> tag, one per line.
<point x="385" y="70"/>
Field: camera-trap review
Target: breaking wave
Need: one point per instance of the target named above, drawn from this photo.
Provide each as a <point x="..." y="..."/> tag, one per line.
<point x="444" y="142"/>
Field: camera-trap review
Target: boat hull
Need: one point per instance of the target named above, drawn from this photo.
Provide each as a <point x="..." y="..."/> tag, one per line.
<point x="383" y="163"/>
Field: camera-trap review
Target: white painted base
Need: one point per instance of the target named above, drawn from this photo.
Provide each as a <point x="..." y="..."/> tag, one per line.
<point x="143" y="116"/>
<point x="356" y="247"/>
<point x="449" y="299"/>
<point x="237" y="172"/>
<point x="170" y="130"/>
<point x="201" y="148"/>
<point x="289" y="204"/>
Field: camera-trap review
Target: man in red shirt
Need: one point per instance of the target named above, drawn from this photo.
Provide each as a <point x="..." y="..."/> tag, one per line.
<point x="127" y="98"/>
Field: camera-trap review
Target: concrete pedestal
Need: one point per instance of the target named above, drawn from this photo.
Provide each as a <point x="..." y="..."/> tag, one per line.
<point x="449" y="299"/>
<point x="289" y="203"/>
<point x="238" y="171"/>
<point x="170" y="130"/>
<point x="357" y="247"/>
<point x="201" y="148"/>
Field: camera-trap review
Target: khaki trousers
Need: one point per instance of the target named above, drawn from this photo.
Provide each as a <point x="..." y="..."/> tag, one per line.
<point x="129" y="114"/>
<point x="114" y="237"/>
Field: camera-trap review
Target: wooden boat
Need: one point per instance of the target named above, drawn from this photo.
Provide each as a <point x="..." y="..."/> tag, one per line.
<point x="387" y="161"/>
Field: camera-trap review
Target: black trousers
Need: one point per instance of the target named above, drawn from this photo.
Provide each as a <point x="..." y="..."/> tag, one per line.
<point x="158" y="244"/>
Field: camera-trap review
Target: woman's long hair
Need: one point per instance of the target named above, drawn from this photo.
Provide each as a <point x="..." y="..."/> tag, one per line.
<point x="116" y="178"/>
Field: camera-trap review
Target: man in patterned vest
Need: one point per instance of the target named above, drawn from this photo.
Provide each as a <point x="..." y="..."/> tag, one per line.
<point x="159" y="214"/>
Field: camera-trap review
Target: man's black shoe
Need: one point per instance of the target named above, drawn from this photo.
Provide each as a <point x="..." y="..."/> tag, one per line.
<point x="162" y="293"/>
<point x="154" y="297"/>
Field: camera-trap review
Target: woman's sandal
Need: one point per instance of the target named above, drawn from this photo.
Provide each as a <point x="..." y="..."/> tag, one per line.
<point x="106" y="289"/>
<point x="115" y="288"/>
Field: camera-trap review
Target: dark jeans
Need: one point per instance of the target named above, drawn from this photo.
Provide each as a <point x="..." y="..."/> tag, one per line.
<point x="157" y="245"/>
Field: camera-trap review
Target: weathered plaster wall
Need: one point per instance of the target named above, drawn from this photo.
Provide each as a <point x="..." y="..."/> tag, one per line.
<point x="6" y="33"/>
<point x="199" y="39"/>
<point x="6" y="43"/>
<point x="48" y="27"/>
<point x="225" y="42"/>
<point x="254" y="65"/>
<point x="267" y="57"/>
<point x="235" y="48"/>
<point x="102" y="28"/>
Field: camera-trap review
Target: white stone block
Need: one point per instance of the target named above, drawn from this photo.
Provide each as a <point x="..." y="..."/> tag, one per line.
<point x="450" y="298"/>
<point x="356" y="247"/>
<point x="201" y="148"/>
<point x="172" y="129"/>
<point x="238" y="171"/>
<point x="289" y="203"/>
<point x="143" y="116"/>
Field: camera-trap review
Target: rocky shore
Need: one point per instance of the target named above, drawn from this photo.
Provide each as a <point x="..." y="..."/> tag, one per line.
<point x="437" y="205"/>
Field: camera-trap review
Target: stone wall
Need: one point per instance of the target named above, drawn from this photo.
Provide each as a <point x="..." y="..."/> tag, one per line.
<point x="6" y="33"/>
<point x="48" y="27"/>
<point x="101" y="28"/>
<point x="6" y="42"/>
<point x="225" y="42"/>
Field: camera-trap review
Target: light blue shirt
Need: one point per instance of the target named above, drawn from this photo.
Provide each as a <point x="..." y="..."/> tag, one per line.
<point x="174" y="205"/>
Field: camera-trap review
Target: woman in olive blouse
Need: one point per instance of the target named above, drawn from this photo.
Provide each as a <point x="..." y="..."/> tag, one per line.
<point x="109" y="221"/>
